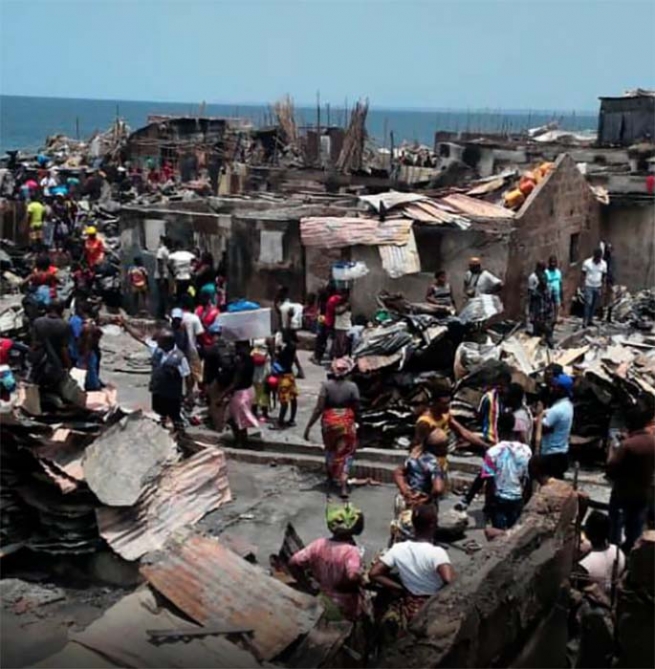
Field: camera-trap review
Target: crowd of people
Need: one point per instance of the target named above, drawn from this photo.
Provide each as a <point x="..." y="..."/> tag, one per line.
<point x="248" y="384"/>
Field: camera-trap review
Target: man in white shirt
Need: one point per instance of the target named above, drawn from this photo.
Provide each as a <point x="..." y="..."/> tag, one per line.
<point x="193" y="325"/>
<point x="422" y="568"/>
<point x="162" y="276"/>
<point x="478" y="281"/>
<point x="181" y="262"/>
<point x="594" y="271"/>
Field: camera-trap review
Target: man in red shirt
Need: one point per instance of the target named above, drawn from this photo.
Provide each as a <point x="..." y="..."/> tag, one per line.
<point x="328" y="303"/>
<point x="94" y="248"/>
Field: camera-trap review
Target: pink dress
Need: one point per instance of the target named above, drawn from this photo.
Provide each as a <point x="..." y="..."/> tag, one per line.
<point x="335" y="565"/>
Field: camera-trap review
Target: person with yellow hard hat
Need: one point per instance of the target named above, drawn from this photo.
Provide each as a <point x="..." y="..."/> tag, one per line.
<point x="94" y="248"/>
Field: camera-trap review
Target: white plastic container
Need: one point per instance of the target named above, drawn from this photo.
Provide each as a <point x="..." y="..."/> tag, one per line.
<point x="244" y="325"/>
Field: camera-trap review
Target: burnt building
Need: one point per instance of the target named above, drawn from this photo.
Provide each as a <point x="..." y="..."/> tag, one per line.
<point x="627" y="120"/>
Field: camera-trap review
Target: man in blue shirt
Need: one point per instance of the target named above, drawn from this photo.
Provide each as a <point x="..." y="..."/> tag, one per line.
<point x="556" y="425"/>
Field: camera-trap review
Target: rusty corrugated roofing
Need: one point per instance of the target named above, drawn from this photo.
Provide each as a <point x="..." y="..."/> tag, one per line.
<point x="213" y="585"/>
<point x="432" y="213"/>
<point x="476" y="209"/>
<point x="334" y="232"/>
<point x="184" y="493"/>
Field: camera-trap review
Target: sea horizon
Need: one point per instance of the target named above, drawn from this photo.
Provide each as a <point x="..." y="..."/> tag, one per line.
<point x="27" y="120"/>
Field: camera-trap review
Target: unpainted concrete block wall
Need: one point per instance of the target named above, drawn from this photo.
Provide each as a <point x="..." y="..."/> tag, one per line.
<point x="630" y="227"/>
<point x="490" y="611"/>
<point x="562" y="205"/>
<point x="439" y="249"/>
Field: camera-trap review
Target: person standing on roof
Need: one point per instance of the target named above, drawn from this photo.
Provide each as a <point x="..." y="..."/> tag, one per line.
<point x="94" y="248"/>
<point x="594" y="273"/>
<point x="556" y="423"/>
<point x="478" y="281"/>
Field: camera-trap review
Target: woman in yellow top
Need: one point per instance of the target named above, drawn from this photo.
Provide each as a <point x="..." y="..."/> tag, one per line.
<point x="438" y="416"/>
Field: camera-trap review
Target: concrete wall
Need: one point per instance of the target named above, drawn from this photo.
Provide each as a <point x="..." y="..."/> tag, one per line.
<point x="249" y="275"/>
<point x="486" y="617"/>
<point x="439" y="248"/>
<point x="562" y="205"/>
<point x="629" y="224"/>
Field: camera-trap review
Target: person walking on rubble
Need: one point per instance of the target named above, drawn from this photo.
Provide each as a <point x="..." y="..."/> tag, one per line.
<point x="336" y="563"/>
<point x="542" y="310"/>
<point x="631" y="467"/>
<point x="478" y="281"/>
<point x="337" y="405"/>
<point x="594" y="273"/>
<point x="411" y="572"/>
<point x="49" y="356"/>
<point x="94" y="248"/>
<point x="556" y="424"/>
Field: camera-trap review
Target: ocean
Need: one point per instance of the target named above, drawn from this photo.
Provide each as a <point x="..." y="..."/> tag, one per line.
<point x="25" y="122"/>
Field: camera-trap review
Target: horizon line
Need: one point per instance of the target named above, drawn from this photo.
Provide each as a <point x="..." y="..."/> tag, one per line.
<point x="425" y="110"/>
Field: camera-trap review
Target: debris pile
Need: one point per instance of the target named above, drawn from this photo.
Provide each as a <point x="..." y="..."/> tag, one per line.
<point x="73" y="479"/>
<point x="399" y="359"/>
<point x="396" y="363"/>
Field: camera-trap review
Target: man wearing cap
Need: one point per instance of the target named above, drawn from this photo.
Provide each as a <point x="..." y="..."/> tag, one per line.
<point x="556" y="425"/>
<point x="478" y="281"/>
<point x="94" y="248"/>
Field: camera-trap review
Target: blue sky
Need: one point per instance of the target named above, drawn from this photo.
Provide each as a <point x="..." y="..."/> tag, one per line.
<point x="529" y="54"/>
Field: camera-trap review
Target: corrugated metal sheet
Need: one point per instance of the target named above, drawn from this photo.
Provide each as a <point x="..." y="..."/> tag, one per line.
<point x="432" y="213"/>
<point x="121" y="635"/>
<point x="213" y="585"/>
<point x="400" y="260"/>
<point x="371" y="363"/>
<point x="126" y="457"/>
<point x="476" y="209"/>
<point x="391" y="199"/>
<point x="183" y="494"/>
<point x="331" y="232"/>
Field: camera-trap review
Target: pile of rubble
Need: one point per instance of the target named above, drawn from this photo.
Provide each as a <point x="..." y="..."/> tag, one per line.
<point x="74" y="478"/>
<point x="398" y="361"/>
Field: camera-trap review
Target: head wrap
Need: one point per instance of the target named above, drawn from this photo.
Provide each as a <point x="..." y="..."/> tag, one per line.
<point x="342" y="366"/>
<point x="344" y="519"/>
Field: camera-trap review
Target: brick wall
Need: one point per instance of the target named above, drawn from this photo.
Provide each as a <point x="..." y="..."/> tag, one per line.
<point x="562" y="205"/>
<point x="485" y="617"/>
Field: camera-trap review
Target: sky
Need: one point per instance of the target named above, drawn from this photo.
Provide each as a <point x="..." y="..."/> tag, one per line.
<point x="430" y="54"/>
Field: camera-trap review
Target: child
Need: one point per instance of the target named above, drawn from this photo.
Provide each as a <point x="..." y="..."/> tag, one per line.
<point x="262" y="360"/>
<point x="137" y="275"/>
